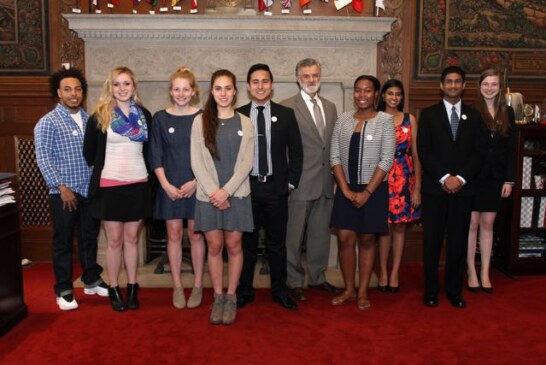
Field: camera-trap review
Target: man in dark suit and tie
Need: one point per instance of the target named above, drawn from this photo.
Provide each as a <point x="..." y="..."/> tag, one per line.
<point x="448" y="143"/>
<point x="277" y="169"/>
<point x="311" y="204"/>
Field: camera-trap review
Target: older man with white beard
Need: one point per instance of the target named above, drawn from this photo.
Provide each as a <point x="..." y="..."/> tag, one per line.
<point x="311" y="203"/>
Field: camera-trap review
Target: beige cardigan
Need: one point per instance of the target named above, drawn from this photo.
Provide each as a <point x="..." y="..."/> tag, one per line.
<point x="203" y="168"/>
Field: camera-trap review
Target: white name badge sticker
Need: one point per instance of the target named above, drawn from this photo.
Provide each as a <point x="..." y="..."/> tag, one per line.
<point x="76" y="10"/>
<point x="285" y="11"/>
<point x="194" y="11"/>
<point x="177" y="8"/>
<point x="268" y="13"/>
<point x="152" y="12"/>
<point x="110" y="5"/>
<point x="308" y="11"/>
<point x="98" y="11"/>
<point x="164" y="9"/>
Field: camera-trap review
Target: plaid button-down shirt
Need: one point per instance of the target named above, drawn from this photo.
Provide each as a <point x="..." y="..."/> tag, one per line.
<point x="58" y="141"/>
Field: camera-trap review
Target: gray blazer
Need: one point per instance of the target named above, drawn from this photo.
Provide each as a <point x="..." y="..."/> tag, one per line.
<point x="316" y="178"/>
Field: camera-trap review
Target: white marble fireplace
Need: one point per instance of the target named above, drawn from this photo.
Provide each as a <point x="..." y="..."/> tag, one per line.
<point x="155" y="45"/>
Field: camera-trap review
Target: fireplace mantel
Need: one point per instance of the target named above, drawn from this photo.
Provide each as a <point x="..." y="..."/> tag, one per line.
<point x="289" y="30"/>
<point x="153" y="46"/>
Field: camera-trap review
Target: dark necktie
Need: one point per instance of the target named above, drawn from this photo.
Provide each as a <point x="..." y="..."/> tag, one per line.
<point x="262" y="143"/>
<point x="454" y="122"/>
<point x="318" y="118"/>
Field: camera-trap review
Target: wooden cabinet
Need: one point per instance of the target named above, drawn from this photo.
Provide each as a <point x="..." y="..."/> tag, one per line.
<point x="522" y="231"/>
<point x="12" y="306"/>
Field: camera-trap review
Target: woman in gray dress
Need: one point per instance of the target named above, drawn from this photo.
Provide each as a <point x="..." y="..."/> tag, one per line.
<point x="222" y="152"/>
<point x="175" y="200"/>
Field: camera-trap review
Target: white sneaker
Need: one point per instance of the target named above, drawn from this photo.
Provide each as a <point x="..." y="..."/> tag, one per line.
<point x="100" y="289"/>
<point x="67" y="302"/>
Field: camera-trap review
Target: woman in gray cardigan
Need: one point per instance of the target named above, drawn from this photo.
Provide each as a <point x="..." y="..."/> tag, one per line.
<point x="222" y="152"/>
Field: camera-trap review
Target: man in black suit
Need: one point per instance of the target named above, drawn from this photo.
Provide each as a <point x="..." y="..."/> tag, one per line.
<point x="448" y="143"/>
<point x="277" y="169"/>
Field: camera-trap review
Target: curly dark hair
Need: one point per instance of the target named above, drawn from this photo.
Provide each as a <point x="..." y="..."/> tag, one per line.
<point x="57" y="77"/>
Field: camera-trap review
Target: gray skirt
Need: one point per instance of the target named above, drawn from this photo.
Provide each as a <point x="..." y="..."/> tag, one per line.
<point x="237" y="218"/>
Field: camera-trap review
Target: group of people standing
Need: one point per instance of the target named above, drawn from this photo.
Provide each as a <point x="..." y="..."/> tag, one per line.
<point x="232" y="172"/>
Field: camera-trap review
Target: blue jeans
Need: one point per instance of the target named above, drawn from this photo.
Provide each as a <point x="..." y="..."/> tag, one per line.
<point x="64" y="223"/>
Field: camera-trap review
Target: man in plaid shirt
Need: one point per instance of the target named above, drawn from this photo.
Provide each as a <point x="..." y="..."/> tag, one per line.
<point x="58" y="139"/>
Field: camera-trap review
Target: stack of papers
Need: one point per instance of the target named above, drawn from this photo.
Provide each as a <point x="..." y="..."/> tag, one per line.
<point x="7" y="195"/>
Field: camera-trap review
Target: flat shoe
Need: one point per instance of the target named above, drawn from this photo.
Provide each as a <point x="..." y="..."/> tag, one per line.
<point x="363" y="303"/>
<point x="343" y="298"/>
<point x="195" y="298"/>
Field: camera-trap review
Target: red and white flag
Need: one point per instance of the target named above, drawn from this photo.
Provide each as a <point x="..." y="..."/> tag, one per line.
<point x="194" y="4"/>
<point x="304" y="2"/>
<point x="286" y="4"/>
<point x="380" y="4"/>
<point x="264" y="4"/>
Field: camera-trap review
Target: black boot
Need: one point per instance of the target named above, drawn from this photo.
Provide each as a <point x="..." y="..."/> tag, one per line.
<point x="132" y="296"/>
<point x="116" y="299"/>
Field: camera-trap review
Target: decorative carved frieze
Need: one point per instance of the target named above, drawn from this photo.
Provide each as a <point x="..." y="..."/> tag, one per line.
<point x="390" y="50"/>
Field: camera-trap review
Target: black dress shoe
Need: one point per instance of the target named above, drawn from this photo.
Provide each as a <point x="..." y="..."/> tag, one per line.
<point x="327" y="287"/>
<point x="473" y="289"/>
<point x="285" y="301"/>
<point x="383" y="288"/>
<point x="244" y="299"/>
<point x="393" y="289"/>
<point x="116" y="299"/>
<point x="132" y="296"/>
<point x="430" y="300"/>
<point x="457" y="301"/>
<point x="486" y="290"/>
<point x="297" y="294"/>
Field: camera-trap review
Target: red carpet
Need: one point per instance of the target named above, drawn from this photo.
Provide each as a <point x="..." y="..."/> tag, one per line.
<point x="504" y="328"/>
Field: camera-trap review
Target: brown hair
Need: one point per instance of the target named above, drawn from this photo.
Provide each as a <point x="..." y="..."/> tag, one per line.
<point x="500" y="121"/>
<point x="185" y="72"/>
<point x="210" y="112"/>
<point x="107" y="103"/>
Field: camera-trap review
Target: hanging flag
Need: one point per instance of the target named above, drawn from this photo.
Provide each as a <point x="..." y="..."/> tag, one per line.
<point x="304" y="2"/>
<point x="136" y="2"/>
<point x="341" y="3"/>
<point x="380" y="4"/>
<point x="115" y="2"/>
<point x="358" y="5"/>
<point x="95" y="2"/>
<point x="264" y="4"/>
<point x="286" y="4"/>
<point x="152" y="2"/>
<point x="174" y="2"/>
<point x="194" y="4"/>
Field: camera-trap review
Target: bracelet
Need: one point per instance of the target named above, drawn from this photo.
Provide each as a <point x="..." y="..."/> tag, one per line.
<point x="369" y="192"/>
